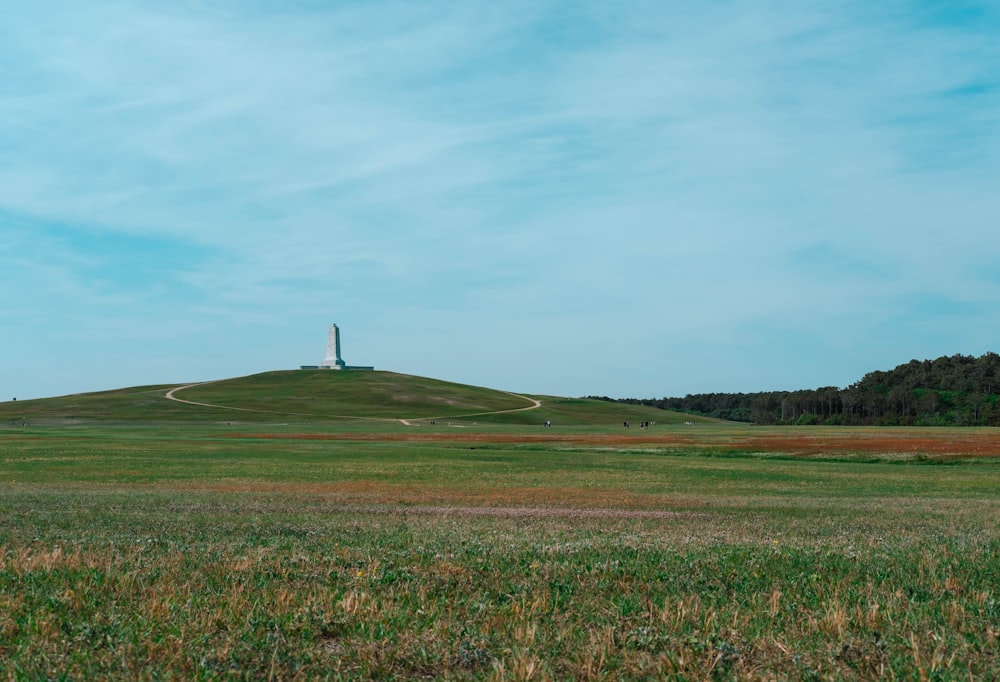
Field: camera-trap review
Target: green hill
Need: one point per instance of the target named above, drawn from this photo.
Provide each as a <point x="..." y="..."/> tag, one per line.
<point x="320" y="396"/>
<point x="326" y="394"/>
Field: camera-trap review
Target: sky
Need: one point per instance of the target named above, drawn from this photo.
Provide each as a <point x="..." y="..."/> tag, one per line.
<point x="631" y="199"/>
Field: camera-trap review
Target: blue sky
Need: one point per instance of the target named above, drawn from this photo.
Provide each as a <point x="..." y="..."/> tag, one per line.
<point x="630" y="199"/>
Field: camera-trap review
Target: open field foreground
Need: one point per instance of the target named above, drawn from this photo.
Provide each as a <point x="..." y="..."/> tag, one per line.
<point x="482" y="551"/>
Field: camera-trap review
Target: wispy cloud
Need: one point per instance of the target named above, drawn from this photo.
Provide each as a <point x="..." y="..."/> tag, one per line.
<point x="711" y="181"/>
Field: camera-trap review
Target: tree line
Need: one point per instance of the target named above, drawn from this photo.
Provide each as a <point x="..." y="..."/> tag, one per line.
<point x="956" y="390"/>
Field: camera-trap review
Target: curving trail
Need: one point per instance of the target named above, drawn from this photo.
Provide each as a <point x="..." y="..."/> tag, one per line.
<point x="535" y="406"/>
<point x="170" y="395"/>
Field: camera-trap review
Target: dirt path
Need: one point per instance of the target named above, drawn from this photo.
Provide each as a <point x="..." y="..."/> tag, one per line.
<point x="170" y="395"/>
<point x="535" y="404"/>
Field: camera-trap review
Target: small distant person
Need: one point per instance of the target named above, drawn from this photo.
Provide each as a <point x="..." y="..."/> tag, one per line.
<point x="626" y="424"/>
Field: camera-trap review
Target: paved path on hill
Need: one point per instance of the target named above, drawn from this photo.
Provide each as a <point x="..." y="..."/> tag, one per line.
<point x="170" y="395"/>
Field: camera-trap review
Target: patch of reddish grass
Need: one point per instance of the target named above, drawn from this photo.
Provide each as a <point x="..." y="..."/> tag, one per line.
<point x="944" y="445"/>
<point x="959" y="445"/>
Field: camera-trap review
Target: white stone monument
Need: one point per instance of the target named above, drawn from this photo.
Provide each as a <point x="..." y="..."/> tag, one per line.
<point x="333" y="359"/>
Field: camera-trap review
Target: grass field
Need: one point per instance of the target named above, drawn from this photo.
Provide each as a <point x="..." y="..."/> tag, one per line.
<point x="139" y="544"/>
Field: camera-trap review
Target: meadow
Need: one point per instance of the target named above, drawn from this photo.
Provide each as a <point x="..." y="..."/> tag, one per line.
<point x="347" y="549"/>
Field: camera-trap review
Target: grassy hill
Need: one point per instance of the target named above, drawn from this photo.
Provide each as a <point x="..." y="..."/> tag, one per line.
<point x="326" y="394"/>
<point x="321" y="396"/>
<point x="140" y="403"/>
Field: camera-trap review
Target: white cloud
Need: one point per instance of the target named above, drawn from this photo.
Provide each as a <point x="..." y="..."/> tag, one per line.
<point x="672" y="167"/>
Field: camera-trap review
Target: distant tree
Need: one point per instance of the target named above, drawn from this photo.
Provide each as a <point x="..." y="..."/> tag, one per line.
<point x="956" y="389"/>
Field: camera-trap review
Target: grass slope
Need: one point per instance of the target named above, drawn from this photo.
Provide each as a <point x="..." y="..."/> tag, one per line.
<point x="301" y="396"/>
<point x="584" y="411"/>
<point x="140" y="403"/>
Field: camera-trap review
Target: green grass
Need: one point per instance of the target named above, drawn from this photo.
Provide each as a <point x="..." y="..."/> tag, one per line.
<point x="179" y="551"/>
<point x="648" y="474"/>
<point x="184" y="585"/>
<point x="142" y="403"/>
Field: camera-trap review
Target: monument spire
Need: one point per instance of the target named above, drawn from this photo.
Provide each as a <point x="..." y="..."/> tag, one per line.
<point x="333" y="359"/>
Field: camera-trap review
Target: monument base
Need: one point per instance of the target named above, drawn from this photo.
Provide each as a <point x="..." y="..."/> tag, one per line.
<point x="353" y="368"/>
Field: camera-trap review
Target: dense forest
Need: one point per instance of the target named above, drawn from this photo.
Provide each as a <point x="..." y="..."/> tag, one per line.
<point x="959" y="390"/>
